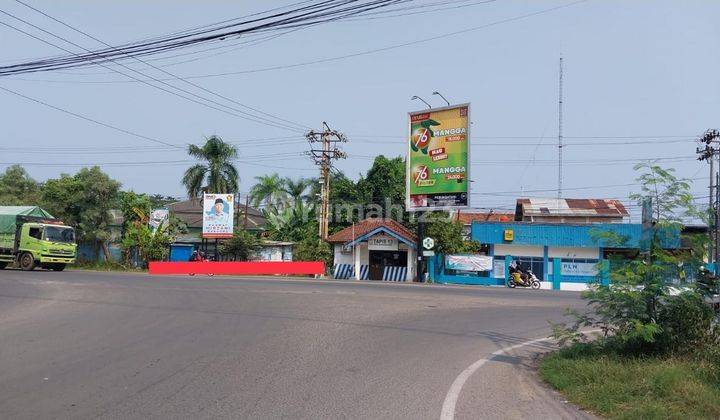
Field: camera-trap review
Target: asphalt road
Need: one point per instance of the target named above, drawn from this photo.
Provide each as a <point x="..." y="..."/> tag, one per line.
<point x="105" y="345"/>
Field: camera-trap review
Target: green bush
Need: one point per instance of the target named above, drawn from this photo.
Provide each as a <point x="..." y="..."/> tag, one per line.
<point x="242" y="246"/>
<point x="686" y="323"/>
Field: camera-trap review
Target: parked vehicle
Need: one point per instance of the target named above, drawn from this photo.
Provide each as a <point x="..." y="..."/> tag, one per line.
<point x="30" y="237"/>
<point x="520" y="277"/>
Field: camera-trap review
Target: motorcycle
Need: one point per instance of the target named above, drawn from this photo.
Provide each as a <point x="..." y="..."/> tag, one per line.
<point x="530" y="280"/>
<point x="199" y="257"/>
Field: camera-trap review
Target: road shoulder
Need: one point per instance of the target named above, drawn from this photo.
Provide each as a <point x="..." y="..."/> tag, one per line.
<point x="508" y="386"/>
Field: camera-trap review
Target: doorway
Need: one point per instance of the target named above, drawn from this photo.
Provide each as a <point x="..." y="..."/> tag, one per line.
<point x="381" y="259"/>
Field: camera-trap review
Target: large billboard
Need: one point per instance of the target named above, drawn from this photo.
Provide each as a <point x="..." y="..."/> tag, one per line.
<point x="438" y="170"/>
<point x="218" y="215"/>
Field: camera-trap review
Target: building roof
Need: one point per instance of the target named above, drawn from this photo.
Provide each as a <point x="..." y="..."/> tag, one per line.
<point x="569" y="207"/>
<point x="190" y="212"/>
<point x="366" y="226"/>
<point x="467" y="218"/>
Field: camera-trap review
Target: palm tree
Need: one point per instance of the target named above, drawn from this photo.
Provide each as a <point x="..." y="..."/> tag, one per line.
<point x="269" y="190"/>
<point x="296" y="189"/>
<point x="221" y="174"/>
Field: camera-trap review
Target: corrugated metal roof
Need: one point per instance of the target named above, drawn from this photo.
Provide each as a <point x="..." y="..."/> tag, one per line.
<point x="578" y="207"/>
<point x="467" y="218"/>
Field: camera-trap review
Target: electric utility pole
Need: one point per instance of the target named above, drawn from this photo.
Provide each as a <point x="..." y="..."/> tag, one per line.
<point x="560" y="131"/>
<point x="323" y="157"/>
<point x="711" y="152"/>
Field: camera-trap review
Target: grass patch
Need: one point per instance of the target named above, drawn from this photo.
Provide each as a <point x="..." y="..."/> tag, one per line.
<point x="102" y="266"/>
<point x="634" y="388"/>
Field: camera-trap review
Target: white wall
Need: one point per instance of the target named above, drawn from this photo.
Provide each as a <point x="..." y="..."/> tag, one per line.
<point x="362" y="249"/>
<point x="576" y="287"/>
<point x="519" y="250"/>
<point x="573" y="252"/>
<point x="411" y="262"/>
<point x="341" y="258"/>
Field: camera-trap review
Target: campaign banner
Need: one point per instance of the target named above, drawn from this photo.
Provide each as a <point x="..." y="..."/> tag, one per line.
<point x="469" y="262"/>
<point x="218" y="213"/>
<point x="158" y="217"/>
<point x="438" y="167"/>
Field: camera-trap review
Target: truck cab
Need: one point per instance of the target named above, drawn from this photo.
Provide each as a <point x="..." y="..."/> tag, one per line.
<point x="47" y="245"/>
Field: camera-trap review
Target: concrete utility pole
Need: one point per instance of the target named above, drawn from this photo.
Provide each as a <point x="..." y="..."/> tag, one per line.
<point x="323" y="157"/>
<point x="711" y="151"/>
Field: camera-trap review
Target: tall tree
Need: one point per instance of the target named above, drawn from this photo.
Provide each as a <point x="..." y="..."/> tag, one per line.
<point x="218" y="174"/>
<point x="17" y="188"/>
<point x="269" y="189"/>
<point x="84" y="201"/>
<point x="670" y="195"/>
<point x="384" y="184"/>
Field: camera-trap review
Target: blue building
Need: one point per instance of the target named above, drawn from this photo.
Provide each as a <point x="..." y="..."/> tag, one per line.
<point x="564" y="242"/>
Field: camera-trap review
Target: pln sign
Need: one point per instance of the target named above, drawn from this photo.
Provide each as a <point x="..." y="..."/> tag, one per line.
<point x="579" y="269"/>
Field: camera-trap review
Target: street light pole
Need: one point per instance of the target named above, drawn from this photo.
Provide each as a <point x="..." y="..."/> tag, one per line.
<point x="414" y="97"/>
<point x="441" y="95"/>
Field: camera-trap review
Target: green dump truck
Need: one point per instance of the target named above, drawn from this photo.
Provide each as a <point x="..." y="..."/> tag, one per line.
<point x="31" y="237"/>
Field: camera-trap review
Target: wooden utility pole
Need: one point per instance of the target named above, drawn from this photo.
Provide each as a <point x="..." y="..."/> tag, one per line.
<point x="323" y="157"/>
<point x="247" y="201"/>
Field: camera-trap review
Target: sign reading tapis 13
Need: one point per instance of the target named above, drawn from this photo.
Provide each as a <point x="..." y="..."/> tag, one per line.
<point x="438" y="164"/>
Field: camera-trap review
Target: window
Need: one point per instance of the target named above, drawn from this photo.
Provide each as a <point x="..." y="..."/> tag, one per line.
<point x="35" y="233"/>
<point x="59" y="234"/>
<point x="535" y="264"/>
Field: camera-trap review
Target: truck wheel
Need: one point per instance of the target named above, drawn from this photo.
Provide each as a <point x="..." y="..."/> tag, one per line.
<point x="27" y="262"/>
<point x="57" y="267"/>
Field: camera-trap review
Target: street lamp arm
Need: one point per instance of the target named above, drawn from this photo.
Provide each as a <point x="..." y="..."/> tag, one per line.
<point x="423" y="101"/>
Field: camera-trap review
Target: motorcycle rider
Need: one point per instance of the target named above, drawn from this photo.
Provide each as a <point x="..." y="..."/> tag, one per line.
<point x="517" y="273"/>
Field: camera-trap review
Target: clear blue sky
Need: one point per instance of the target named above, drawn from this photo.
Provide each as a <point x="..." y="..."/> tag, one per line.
<point x="640" y="68"/>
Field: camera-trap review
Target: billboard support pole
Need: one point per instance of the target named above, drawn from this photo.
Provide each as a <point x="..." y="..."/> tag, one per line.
<point x="420" y="266"/>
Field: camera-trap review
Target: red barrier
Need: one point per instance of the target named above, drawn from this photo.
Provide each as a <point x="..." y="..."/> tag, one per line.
<point x="246" y="267"/>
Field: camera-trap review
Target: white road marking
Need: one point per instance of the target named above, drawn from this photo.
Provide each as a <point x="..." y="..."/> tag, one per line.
<point x="448" y="408"/>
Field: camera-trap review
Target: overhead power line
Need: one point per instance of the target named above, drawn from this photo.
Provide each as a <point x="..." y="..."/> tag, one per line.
<point x="346" y="56"/>
<point x="166" y="72"/>
<point x="318" y="12"/>
<point x="92" y="120"/>
<point x="241" y="45"/>
<point x="192" y="97"/>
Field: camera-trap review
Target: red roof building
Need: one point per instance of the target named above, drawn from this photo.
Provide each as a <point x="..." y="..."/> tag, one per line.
<point x="374" y="249"/>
